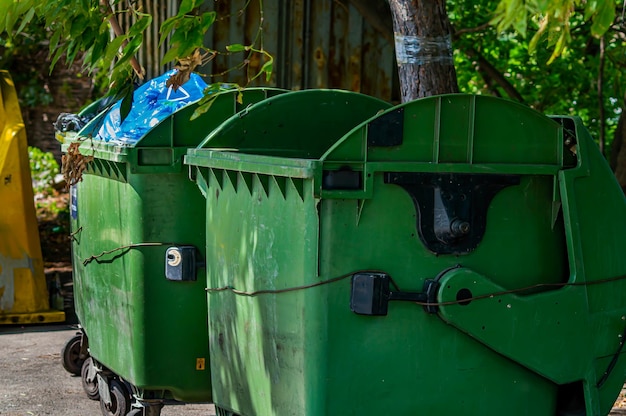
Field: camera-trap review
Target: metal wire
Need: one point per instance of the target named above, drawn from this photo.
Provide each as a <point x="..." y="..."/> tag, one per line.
<point x="128" y="247"/>
<point x="447" y="303"/>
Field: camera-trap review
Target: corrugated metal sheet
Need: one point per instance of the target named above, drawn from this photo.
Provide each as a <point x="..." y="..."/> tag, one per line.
<point x="150" y="55"/>
<point x="315" y="44"/>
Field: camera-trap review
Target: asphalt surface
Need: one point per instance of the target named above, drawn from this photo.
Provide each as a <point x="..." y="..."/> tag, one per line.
<point x="33" y="381"/>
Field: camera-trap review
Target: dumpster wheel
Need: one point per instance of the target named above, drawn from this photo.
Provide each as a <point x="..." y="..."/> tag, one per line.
<point x="120" y="400"/>
<point x="89" y="379"/>
<point x="71" y="355"/>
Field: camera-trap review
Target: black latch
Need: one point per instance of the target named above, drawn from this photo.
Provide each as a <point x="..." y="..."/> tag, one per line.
<point x="342" y="179"/>
<point x="371" y="294"/>
<point x="181" y="263"/>
<point x="451" y="207"/>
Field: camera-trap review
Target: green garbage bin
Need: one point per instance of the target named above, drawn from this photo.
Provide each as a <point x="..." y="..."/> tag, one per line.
<point x="453" y="255"/>
<point x="138" y="239"/>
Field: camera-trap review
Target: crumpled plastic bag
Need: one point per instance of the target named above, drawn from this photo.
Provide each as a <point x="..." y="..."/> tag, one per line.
<point x="152" y="102"/>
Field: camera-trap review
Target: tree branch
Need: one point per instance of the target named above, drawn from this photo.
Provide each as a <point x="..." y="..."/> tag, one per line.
<point x="458" y="33"/>
<point x="602" y="118"/>
<point x="117" y="29"/>
<point x="491" y="74"/>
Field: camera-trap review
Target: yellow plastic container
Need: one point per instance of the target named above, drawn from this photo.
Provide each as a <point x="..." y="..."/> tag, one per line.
<point x="23" y="291"/>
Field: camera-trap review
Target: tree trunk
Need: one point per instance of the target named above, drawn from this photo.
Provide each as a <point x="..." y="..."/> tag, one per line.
<point x="422" y="34"/>
<point x="618" y="151"/>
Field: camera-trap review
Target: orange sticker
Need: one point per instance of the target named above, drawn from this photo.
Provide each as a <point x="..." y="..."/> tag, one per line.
<point x="200" y="364"/>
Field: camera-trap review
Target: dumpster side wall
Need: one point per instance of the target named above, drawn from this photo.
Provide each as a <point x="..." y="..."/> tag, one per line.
<point x="266" y="350"/>
<point x="135" y="319"/>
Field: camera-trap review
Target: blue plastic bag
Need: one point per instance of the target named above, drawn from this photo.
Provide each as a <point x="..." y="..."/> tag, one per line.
<point x="152" y="102"/>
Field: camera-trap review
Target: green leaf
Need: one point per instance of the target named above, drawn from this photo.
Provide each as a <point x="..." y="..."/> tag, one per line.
<point x="130" y="49"/>
<point x="127" y="103"/>
<point x="72" y="50"/>
<point x="267" y="68"/>
<point x="169" y="56"/>
<point x="235" y="47"/>
<point x="204" y="107"/>
<point x="140" y="25"/>
<point x="208" y="19"/>
<point x="186" y="6"/>
<point x="78" y="27"/>
<point x="98" y="50"/>
<point x="167" y="27"/>
<point x="112" y="50"/>
<point x="59" y="52"/>
<point x="559" y="47"/>
<point x="26" y="19"/>
<point x="603" y="20"/>
<point x="591" y="9"/>
<point x="10" y="20"/>
<point x="54" y="40"/>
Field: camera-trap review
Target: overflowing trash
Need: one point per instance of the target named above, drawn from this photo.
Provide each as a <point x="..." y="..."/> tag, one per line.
<point x="152" y="102"/>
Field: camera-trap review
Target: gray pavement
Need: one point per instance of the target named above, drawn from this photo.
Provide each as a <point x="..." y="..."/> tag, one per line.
<point x="34" y="383"/>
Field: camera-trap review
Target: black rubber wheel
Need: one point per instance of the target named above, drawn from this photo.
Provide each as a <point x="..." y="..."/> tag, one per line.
<point x="120" y="400"/>
<point x="90" y="387"/>
<point x="70" y="356"/>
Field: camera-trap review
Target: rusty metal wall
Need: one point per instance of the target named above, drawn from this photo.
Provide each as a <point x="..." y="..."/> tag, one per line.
<point x="315" y="44"/>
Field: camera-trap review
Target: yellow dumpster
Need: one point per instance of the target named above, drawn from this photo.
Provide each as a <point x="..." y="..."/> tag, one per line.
<point x="23" y="291"/>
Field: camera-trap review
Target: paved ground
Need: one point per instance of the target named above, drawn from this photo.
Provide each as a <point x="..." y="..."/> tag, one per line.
<point x="34" y="383"/>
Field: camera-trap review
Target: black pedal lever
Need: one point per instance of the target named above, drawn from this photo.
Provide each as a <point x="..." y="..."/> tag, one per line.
<point x="371" y="294"/>
<point x="408" y="296"/>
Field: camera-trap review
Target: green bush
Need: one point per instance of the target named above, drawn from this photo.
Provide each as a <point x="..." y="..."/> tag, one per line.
<point x="43" y="169"/>
<point x="50" y="203"/>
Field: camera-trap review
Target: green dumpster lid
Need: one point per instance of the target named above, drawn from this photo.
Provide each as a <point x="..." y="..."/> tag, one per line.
<point x="342" y="130"/>
<point x="300" y="124"/>
<point x="455" y="129"/>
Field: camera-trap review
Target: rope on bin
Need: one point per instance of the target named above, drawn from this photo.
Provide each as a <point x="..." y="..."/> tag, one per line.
<point x="276" y="291"/>
<point x="128" y="247"/>
<point x="447" y="303"/>
<point x="73" y="235"/>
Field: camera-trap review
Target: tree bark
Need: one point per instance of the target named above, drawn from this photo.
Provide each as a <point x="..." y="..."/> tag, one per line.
<point x="423" y="40"/>
<point x="618" y="151"/>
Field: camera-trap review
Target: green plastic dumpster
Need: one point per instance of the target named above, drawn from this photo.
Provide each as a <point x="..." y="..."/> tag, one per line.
<point x="453" y="255"/>
<point x="138" y="241"/>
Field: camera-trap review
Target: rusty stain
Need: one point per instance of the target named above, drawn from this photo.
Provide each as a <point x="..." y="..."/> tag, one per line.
<point x="296" y="69"/>
<point x="354" y="69"/>
<point x="320" y="58"/>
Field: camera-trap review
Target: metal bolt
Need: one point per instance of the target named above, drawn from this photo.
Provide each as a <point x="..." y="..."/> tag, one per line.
<point x="460" y="227"/>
